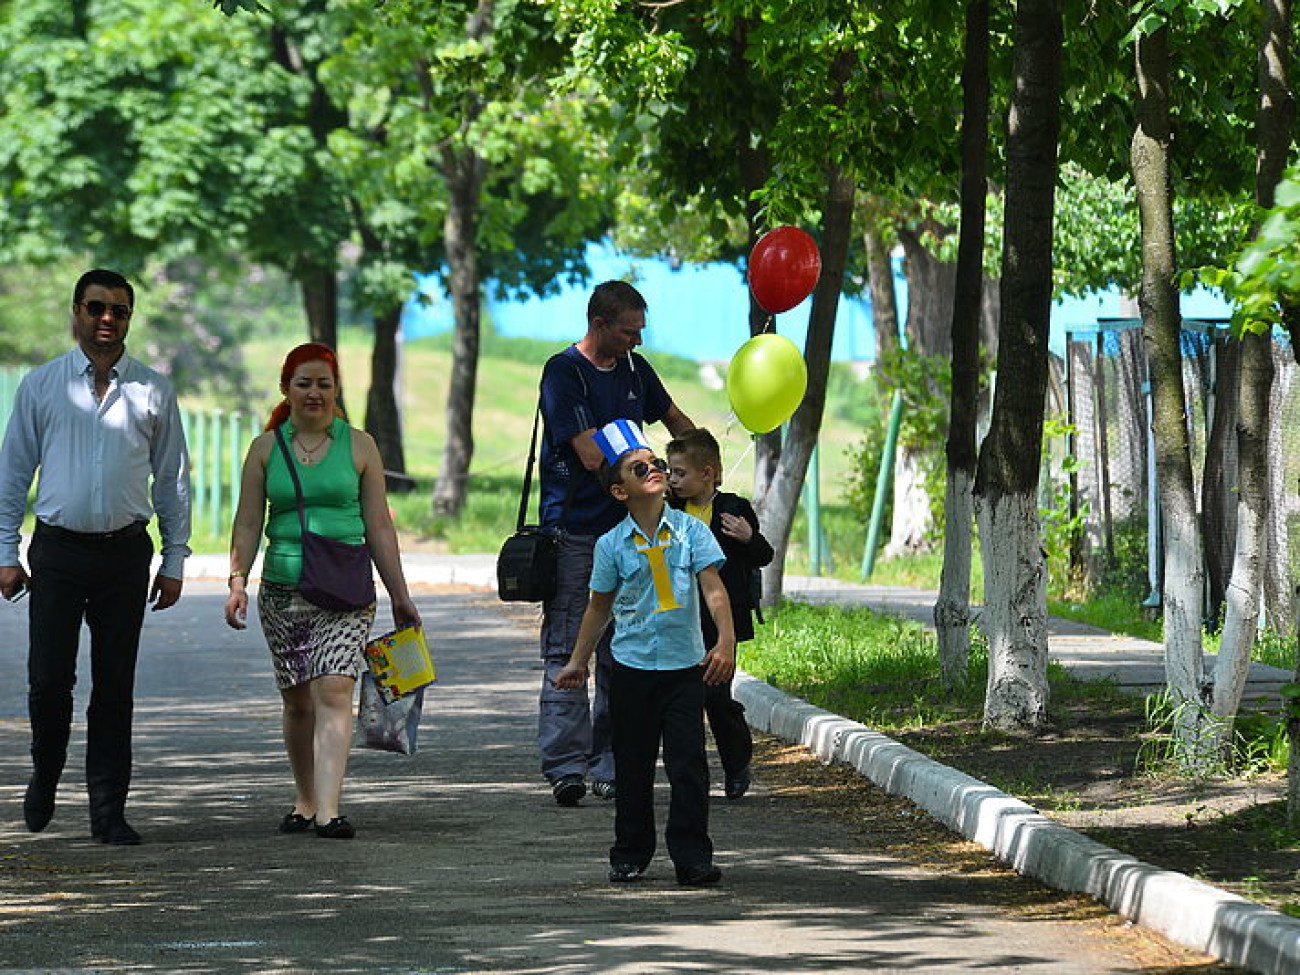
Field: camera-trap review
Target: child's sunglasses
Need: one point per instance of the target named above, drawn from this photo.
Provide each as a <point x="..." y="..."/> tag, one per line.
<point x="641" y="469"/>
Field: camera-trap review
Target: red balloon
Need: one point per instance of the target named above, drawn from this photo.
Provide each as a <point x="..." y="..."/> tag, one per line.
<point x="783" y="268"/>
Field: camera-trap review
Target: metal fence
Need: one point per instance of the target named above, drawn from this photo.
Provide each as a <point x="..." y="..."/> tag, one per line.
<point x="1113" y="486"/>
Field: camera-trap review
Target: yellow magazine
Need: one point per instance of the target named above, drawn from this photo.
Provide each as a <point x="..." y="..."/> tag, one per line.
<point x="400" y="662"/>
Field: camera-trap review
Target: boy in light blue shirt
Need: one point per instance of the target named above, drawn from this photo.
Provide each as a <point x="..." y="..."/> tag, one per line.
<point x="644" y="575"/>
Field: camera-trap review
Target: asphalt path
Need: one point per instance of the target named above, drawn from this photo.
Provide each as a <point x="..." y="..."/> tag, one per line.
<point x="462" y="862"/>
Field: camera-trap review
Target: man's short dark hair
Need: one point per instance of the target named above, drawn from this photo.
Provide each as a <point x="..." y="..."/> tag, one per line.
<point x="105" y="279"/>
<point x="611" y="299"/>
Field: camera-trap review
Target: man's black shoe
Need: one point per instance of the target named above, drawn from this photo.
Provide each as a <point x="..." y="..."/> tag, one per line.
<point x="38" y="804"/>
<point x="737" y="785"/>
<point x="117" y="832"/>
<point x="625" y="873"/>
<point x="699" y="875"/>
<point x="569" y="790"/>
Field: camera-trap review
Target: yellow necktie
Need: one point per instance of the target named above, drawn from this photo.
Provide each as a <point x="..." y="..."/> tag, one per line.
<point x="665" y="598"/>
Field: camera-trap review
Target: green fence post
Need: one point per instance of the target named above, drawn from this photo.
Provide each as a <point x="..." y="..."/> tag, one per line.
<point x="214" y="474"/>
<point x="233" y="425"/>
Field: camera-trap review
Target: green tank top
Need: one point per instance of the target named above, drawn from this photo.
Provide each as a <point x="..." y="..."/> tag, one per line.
<point x="331" y="495"/>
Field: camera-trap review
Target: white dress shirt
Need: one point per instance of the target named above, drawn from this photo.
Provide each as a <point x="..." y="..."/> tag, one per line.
<point x="96" y="457"/>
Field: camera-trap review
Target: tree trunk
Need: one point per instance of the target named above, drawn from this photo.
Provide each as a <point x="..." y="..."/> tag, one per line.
<point x="320" y="301"/>
<point x="1254" y="516"/>
<point x="383" y="412"/>
<point x="952" y="609"/>
<point x="1246" y="583"/>
<point x="1219" y="475"/>
<point x="1161" y="328"/>
<point x="779" y="504"/>
<point x="465" y="174"/>
<point x="1279" y="599"/>
<point x="755" y="169"/>
<point x="1006" y="482"/>
<point x="884" y="302"/>
<point x="930" y="286"/>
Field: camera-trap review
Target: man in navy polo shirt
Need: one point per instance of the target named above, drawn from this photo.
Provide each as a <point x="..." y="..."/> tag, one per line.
<point x="593" y="382"/>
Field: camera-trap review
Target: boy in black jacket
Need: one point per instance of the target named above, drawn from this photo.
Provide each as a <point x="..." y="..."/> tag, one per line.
<point x="694" y="475"/>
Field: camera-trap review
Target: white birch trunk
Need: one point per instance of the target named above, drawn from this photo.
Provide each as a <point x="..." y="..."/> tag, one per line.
<point x="912" y="519"/>
<point x="1241" y="621"/>
<point x="1015" y="611"/>
<point x="952" y="609"/>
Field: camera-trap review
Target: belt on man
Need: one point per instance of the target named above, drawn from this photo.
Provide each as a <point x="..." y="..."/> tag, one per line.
<point x="116" y="535"/>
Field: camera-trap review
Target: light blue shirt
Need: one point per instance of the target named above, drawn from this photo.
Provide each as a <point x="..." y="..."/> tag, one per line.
<point x="96" y="458"/>
<point x="656" y="621"/>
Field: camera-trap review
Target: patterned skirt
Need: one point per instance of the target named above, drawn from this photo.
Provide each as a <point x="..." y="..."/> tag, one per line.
<point x="308" y="642"/>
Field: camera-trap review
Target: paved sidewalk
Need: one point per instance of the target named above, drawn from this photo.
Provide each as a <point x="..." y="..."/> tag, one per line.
<point x="463" y="863"/>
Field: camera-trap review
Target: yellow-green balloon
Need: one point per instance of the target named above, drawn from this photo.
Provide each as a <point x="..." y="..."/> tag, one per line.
<point x="766" y="382"/>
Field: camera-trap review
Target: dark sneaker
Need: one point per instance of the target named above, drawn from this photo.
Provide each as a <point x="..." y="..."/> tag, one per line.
<point x="569" y="790"/>
<point x="603" y="789"/>
<point x="699" y="875"/>
<point x="737" y="785"/>
<point x="38" y="804"/>
<point x="625" y="873"/>
<point x="116" y="832"/>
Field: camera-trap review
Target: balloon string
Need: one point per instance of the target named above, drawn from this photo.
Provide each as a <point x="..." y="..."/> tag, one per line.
<point x="745" y="453"/>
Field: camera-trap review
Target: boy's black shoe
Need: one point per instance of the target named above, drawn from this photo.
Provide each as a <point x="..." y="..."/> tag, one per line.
<point x="699" y="875"/>
<point x="625" y="873"/>
<point x="569" y="790"/>
<point x="737" y="785"/>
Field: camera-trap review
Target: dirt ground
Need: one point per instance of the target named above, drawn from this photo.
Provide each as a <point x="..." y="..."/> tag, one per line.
<point x="894" y="826"/>
<point x="1084" y="773"/>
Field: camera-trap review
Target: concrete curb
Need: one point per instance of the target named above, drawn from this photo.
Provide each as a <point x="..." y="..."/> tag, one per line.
<point x="1187" y="911"/>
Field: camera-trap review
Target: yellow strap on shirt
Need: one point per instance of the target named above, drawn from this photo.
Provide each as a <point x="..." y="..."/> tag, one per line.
<point x="665" y="598"/>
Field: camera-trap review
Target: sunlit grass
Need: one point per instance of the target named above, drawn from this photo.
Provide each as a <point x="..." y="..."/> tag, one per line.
<point x="877" y="669"/>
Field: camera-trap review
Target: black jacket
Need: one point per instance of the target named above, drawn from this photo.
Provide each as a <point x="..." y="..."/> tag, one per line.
<point x="743" y="560"/>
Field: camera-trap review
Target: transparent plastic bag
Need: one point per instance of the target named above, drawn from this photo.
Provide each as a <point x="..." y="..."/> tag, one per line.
<point x="387" y="727"/>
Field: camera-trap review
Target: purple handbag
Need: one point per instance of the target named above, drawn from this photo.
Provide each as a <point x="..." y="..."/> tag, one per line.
<point x="335" y="575"/>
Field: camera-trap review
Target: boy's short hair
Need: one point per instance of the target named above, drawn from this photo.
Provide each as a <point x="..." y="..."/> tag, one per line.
<point x="611" y="474"/>
<point x="699" y="447"/>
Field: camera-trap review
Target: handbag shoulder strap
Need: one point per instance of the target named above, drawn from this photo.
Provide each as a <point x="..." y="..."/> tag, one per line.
<point x="293" y="473"/>
<point x="528" y="469"/>
<point x="532" y="457"/>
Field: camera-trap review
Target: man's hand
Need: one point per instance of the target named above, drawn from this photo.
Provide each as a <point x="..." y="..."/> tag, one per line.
<point x="164" y="592"/>
<point x="571" y="677"/>
<point x="13" y="580"/>
<point x="720" y="663"/>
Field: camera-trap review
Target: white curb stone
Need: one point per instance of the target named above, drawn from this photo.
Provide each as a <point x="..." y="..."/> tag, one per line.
<point x="1187" y="911"/>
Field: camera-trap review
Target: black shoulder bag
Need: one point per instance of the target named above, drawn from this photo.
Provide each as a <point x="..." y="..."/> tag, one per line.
<point x="335" y="575"/>
<point x="526" y="570"/>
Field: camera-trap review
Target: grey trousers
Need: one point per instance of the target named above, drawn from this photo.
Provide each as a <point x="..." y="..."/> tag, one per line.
<point x="573" y="730"/>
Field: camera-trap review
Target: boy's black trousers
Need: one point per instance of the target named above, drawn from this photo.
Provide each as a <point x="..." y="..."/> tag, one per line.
<point x="648" y="707"/>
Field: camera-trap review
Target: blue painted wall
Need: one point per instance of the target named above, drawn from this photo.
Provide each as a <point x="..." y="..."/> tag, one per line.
<point x="700" y="311"/>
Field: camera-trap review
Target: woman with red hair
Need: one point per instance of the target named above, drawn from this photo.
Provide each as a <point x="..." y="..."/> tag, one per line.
<point x="317" y="652"/>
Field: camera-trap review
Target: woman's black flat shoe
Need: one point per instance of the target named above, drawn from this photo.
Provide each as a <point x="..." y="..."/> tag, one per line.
<point x="337" y="828"/>
<point x="295" y="823"/>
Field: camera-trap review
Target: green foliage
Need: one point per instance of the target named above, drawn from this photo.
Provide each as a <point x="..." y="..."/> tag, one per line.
<point x="1061" y="529"/>
<point x="1263" y="282"/>
<point x="1255" y="744"/>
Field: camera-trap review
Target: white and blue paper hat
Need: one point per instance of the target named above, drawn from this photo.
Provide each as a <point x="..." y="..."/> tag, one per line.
<point x="617" y="438"/>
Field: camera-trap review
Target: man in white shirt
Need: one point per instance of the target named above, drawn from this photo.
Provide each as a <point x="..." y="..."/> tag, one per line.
<point x="105" y="432"/>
